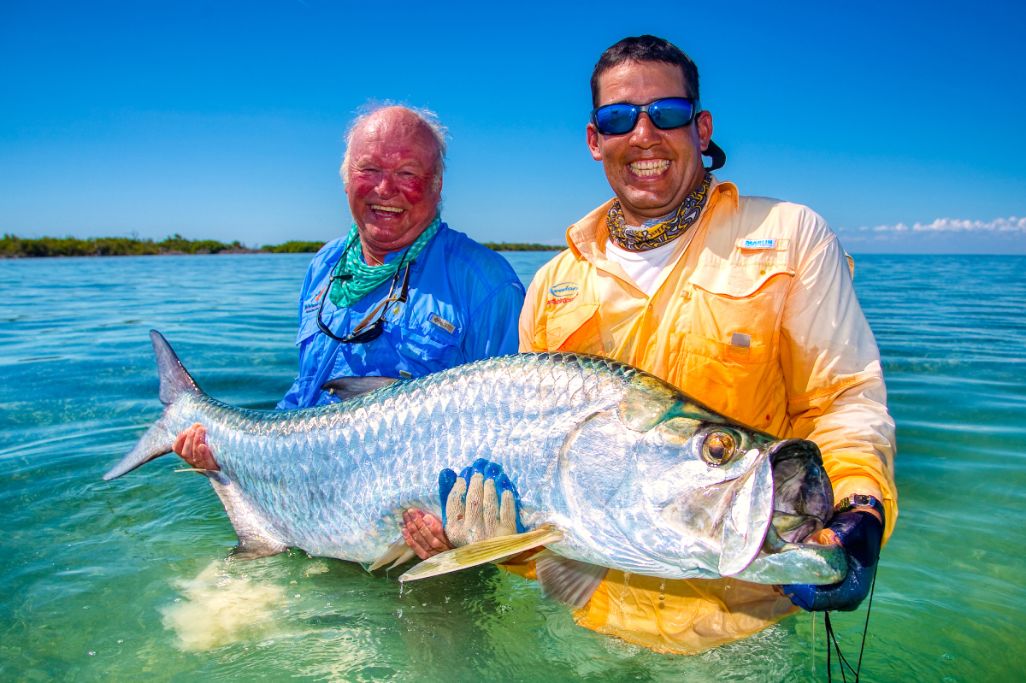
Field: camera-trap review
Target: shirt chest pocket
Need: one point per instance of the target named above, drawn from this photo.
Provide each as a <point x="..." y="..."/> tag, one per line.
<point x="575" y="329"/>
<point x="430" y="346"/>
<point x="735" y="312"/>
<point x="732" y="341"/>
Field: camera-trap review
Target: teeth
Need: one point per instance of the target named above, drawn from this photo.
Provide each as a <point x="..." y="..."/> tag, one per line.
<point x="649" y="167"/>
<point x="389" y="209"/>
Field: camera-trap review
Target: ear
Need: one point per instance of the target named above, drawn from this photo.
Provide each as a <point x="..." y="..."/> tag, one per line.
<point x="704" y="124"/>
<point x="593" y="142"/>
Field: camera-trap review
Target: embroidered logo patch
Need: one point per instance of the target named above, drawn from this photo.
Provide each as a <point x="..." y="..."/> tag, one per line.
<point x="759" y="244"/>
<point x="442" y="322"/>
<point x="314" y="303"/>
<point x="563" y="292"/>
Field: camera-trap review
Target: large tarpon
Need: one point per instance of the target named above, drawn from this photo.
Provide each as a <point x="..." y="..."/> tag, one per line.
<point x="619" y="468"/>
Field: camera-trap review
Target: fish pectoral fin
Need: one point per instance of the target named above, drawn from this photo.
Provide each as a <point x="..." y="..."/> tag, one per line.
<point x="404" y="558"/>
<point x="572" y="582"/>
<point x="398" y="553"/>
<point x="489" y="550"/>
<point x="349" y="387"/>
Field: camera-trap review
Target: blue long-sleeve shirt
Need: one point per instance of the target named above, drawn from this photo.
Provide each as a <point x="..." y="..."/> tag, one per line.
<point x="463" y="305"/>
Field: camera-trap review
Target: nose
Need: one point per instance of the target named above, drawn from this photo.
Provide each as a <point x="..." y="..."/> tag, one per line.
<point x="645" y="133"/>
<point x="386" y="186"/>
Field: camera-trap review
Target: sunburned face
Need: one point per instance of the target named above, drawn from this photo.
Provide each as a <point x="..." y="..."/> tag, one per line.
<point x="392" y="185"/>
<point x="650" y="170"/>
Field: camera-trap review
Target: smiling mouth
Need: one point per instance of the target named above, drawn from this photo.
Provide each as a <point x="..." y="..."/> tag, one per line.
<point x="647" y="168"/>
<point x="395" y="210"/>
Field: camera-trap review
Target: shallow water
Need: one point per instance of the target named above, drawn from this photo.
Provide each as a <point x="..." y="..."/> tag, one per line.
<point x="127" y="578"/>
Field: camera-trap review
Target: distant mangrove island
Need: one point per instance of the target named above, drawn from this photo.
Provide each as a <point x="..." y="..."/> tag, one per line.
<point x="12" y="246"/>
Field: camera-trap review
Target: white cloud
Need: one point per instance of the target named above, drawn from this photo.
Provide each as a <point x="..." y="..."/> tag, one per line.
<point x="1008" y="227"/>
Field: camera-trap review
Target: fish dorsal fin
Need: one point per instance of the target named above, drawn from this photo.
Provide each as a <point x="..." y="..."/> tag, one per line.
<point x="488" y="550"/>
<point x="350" y="387"/>
<point x="572" y="582"/>
<point x="175" y="380"/>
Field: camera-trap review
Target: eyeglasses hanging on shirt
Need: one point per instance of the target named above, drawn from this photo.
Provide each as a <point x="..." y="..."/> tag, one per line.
<point x="373" y="324"/>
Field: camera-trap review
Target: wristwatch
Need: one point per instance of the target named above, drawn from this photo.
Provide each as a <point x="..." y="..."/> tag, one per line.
<point x="861" y="500"/>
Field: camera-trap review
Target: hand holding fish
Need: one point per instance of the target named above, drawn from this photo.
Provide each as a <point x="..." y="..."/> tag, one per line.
<point x="859" y="533"/>
<point x="479" y="503"/>
<point x="424" y="534"/>
<point x="192" y="446"/>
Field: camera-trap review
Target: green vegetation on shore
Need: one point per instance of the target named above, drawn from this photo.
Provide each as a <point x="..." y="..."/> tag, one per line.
<point x="293" y="247"/>
<point x="12" y="246"/>
<point x="522" y="246"/>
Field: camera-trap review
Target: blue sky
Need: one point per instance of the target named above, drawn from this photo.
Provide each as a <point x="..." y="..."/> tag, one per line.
<point x="901" y="123"/>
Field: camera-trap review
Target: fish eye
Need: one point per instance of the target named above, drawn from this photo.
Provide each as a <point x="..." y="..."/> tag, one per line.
<point x="718" y="447"/>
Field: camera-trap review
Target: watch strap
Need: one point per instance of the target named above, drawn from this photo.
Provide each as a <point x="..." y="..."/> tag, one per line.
<point x="861" y="500"/>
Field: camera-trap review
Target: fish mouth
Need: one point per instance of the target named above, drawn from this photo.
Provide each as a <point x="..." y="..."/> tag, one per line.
<point x="803" y="502"/>
<point x="803" y="498"/>
<point x="788" y="497"/>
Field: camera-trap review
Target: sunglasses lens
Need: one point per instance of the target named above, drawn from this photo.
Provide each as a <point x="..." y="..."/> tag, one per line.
<point x="616" y="119"/>
<point x="666" y="114"/>
<point x="672" y="112"/>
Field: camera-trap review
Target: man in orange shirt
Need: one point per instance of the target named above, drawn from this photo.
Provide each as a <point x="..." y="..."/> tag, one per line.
<point x="744" y="303"/>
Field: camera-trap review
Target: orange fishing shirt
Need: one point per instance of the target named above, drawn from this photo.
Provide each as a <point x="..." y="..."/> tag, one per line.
<point x="758" y="319"/>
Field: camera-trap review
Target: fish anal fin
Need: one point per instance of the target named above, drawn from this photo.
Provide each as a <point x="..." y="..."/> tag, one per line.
<point x="255" y="548"/>
<point x="572" y="582"/>
<point x="481" y="552"/>
<point x="396" y="554"/>
<point x="350" y="387"/>
<point x="255" y="536"/>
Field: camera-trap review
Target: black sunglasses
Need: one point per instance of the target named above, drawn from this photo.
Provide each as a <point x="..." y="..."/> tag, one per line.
<point x="666" y="114"/>
<point x="366" y="331"/>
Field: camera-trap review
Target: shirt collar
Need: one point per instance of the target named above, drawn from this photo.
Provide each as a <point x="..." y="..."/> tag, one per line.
<point x="587" y="237"/>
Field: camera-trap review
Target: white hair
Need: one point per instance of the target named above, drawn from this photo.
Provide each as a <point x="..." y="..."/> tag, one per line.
<point x="427" y="117"/>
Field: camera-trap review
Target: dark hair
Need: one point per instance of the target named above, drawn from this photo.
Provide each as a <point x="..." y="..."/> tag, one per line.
<point x="645" y="48"/>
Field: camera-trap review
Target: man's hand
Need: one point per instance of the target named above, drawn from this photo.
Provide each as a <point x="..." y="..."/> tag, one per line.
<point x="481" y="502"/>
<point x="423" y="532"/>
<point x="860" y="533"/>
<point x="192" y="446"/>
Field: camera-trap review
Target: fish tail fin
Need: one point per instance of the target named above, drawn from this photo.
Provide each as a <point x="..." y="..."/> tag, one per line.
<point x="175" y="382"/>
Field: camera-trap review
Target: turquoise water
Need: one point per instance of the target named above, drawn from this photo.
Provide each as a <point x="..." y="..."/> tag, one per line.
<point x="124" y="579"/>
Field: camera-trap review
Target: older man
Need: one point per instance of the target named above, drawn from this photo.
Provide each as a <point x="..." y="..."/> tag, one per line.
<point x="401" y="295"/>
<point x="745" y="303"/>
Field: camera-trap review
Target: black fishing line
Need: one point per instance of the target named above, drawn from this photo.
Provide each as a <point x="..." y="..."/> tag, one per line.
<point x="832" y="640"/>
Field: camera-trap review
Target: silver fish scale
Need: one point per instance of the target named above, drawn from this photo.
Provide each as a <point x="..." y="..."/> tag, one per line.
<point x="334" y="480"/>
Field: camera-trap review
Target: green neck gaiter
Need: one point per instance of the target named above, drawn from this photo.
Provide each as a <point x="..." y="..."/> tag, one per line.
<point x="352" y="279"/>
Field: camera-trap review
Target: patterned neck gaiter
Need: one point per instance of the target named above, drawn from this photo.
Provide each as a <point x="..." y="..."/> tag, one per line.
<point x="663" y="232"/>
